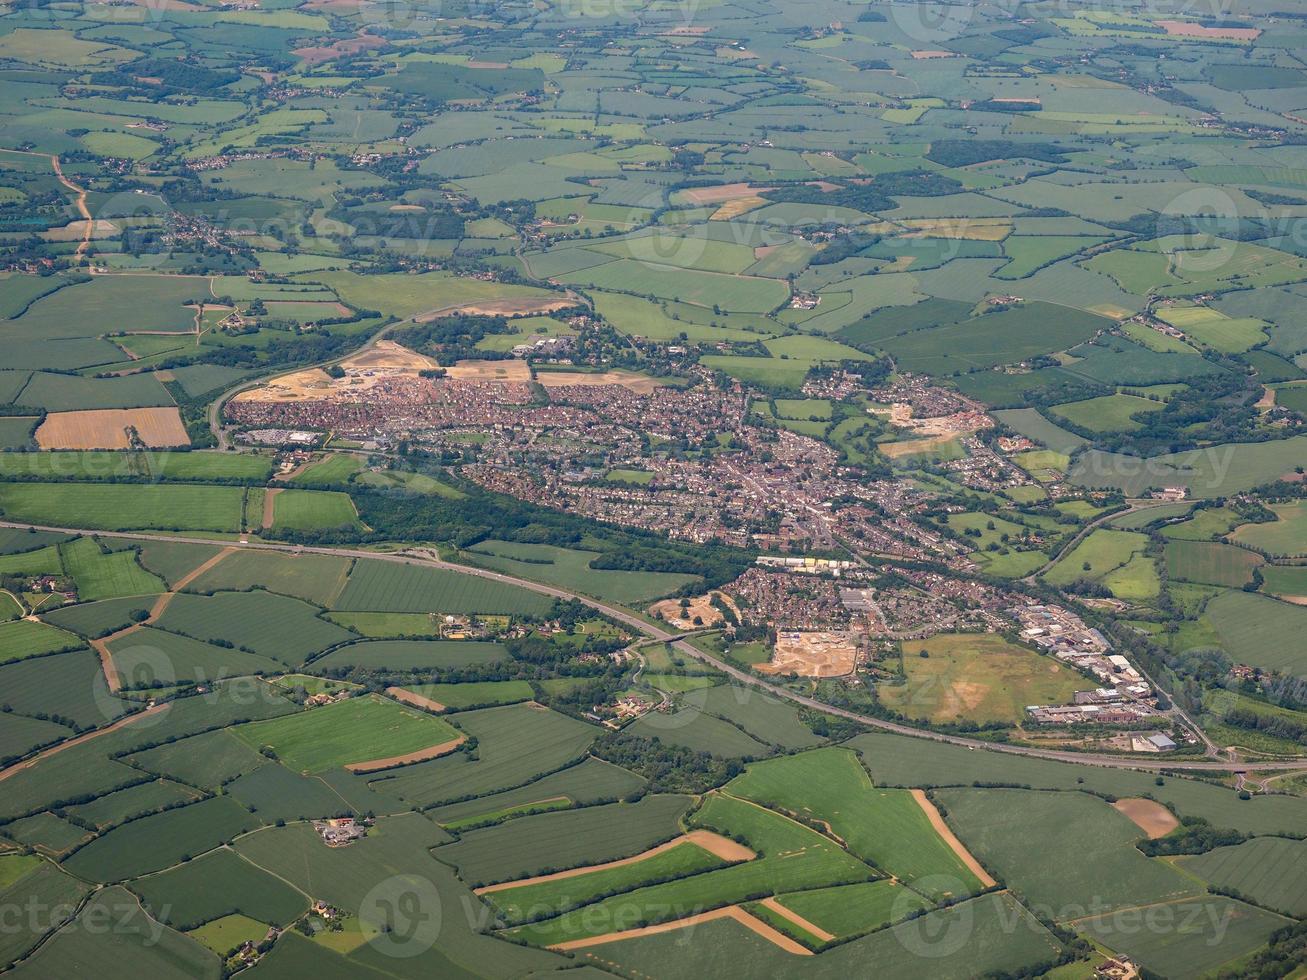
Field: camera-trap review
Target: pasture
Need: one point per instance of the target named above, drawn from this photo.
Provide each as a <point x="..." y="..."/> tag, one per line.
<point x="1284" y="537"/>
<point x="1256" y="630"/>
<point x="120" y="507"/>
<point x="1267" y="870"/>
<point x="406" y="655"/>
<point x="571" y="569"/>
<point x="1211" y="563"/>
<point x="312" y="510"/>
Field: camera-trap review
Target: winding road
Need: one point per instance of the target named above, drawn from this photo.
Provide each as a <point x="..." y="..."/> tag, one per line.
<point x="676" y="639"/>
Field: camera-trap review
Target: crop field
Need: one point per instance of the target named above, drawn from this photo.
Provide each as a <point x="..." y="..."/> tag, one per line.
<point x="380" y="586"/>
<point x="475" y="694"/>
<point x="405" y="655"/>
<point x="1105" y="863"/>
<point x="885" y="827"/>
<point x="571" y="570"/>
<point x="318" y="579"/>
<point x="357" y="730"/>
<point x="274" y="626"/>
<point x="146" y="657"/>
<point x="1260" y="631"/>
<point x="69" y="685"/>
<point x="172" y="560"/>
<point x="1284" y="580"/>
<point x="208" y="760"/>
<point x="766" y="718"/>
<point x="1212" y="472"/>
<point x="114" y="808"/>
<point x="117" y="507"/>
<point x="549" y="842"/>
<point x="1267" y="870"/>
<point x="1189" y="946"/>
<point x="31" y="878"/>
<point x="1211" y="563"/>
<point x="516" y="743"/>
<point x="159" y="841"/>
<point x="589" y="781"/>
<point x="794" y="857"/>
<point x="976" y="677"/>
<point x="847" y="909"/>
<point x="216" y="885"/>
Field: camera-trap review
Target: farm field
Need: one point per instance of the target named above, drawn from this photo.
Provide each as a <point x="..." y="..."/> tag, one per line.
<point x="1284" y="537"/>
<point x="571" y="569"/>
<point x="1211" y="563"/>
<point x="378" y="586"/>
<point x="118" y="507"/>
<point x="354" y="731"/>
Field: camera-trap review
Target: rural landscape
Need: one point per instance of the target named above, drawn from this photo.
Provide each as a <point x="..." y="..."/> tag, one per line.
<point x="653" y="489"/>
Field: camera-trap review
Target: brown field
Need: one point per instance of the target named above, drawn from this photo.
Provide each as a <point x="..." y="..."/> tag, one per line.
<point x="812" y="655"/>
<point x="422" y="755"/>
<point x="973" y="229"/>
<point x="908" y="447"/>
<point x="509" y="372"/>
<point x="387" y="354"/>
<point x="928" y="55"/>
<point x="1149" y="816"/>
<point x="106" y="428"/>
<point x="715" y="844"/>
<point x="1179" y="28"/>
<point x="773" y="936"/>
<point x="737" y="207"/>
<point x="338" y="49"/>
<point x="416" y="700"/>
<point x="700" y="606"/>
<point x="504" y="307"/>
<point x="721" y="193"/>
<point x="641" y="384"/>
<point x="946" y="834"/>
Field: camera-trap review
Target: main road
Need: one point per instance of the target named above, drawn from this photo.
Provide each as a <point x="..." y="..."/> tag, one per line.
<point x="428" y="559"/>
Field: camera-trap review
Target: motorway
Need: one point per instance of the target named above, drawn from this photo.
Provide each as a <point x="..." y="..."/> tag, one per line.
<point x="428" y="559"/>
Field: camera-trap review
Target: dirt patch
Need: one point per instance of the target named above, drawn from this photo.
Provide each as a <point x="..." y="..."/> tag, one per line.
<point x="1149" y="816"/>
<point x="819" y="654"/>
<point x="797" y="919"/>
<point x="416" y="700"/>
<point x="721" y="193"/>
<point x="339" y="49"/>
<point x="700" y="606"/>
<point x="737" y="207"/>
<point x="930" y="55"/>
<point x="386" y="354"/>
<point x="508" y="372"/>
<point x="422" y="755"/>
<point x="1179" y="28"/>
<point x="946" y="834"/>
<point x="715" y="844"/>
<point x="639" y="383"/>
<point x="774" y="936"/>
<point x="909" y="447"/>
<point x="107" y="428"/>
<point x="504" y="307"/>
<point x="1267" y="401"/>
<point x="971" y="229"/>
<point x="269" y="506"/>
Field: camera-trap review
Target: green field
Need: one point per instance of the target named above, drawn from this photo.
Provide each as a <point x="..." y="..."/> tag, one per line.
<point x="405" y="655"/>
<point x="1211" y="563"/>
<point x="22" y="639"/>
<point x="118" y="507"/>
<point x="1108" y="413"/>
<point x="885" y="827"/>
<point x="571" y="569"/>
<point x="382" y="586"/>
<point x="1260" y="631"/>
<point x="285" y="629"/>
<point x="148" y="464"/>
<point x="357" y="730"/>
<point x="1266" y="870"/>
<point x="976" y="677"/>
<point x="313" y="578"/>
<point x="1284" y="537"/>
<point x="475" y="694"/>
<point x="1102" y="551"/>
<point x="106" y="575"/>
<point x="312" y="510"/>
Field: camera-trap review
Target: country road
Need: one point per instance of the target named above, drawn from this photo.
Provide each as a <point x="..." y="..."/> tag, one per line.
<point x="744" y="677"/>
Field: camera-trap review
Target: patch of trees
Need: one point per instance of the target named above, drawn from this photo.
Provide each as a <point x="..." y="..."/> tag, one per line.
<point x="875" y="196"/>
<point x="669" y="768"/>
<point x="1194" y="836"/>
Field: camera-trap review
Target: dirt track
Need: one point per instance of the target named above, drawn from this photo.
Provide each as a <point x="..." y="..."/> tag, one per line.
<point x="773" y="936"/>
<point x="716" y="844"/>
<point x="950" y="838"/>
<point x="422" y="755"/>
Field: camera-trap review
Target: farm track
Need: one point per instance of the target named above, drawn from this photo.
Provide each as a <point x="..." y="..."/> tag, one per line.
<point x="677" y="640"/>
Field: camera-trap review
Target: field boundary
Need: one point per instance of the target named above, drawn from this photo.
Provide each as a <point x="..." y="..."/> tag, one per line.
<point x="772" y="935"/>
<point x="951" y="839"/>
